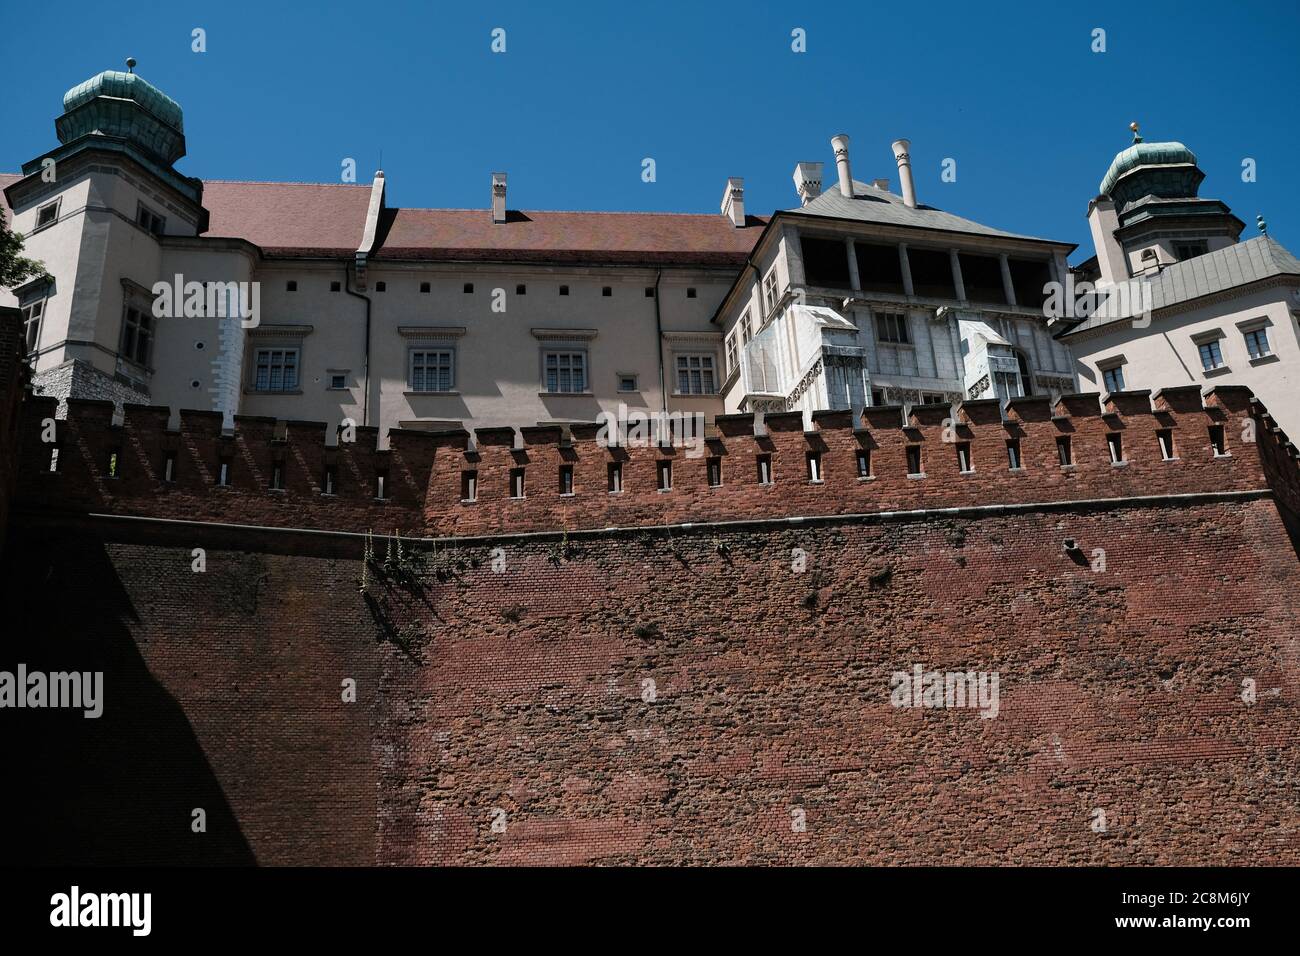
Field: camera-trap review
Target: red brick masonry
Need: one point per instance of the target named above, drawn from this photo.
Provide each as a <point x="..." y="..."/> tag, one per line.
<point x="504" y="676"/>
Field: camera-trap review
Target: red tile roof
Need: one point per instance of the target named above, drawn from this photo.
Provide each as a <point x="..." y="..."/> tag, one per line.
<point x="306" y="219"/>
<point x="294" y="219"/>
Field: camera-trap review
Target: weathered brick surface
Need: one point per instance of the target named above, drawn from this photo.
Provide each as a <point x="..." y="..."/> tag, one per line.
<point x="507" y="679"/>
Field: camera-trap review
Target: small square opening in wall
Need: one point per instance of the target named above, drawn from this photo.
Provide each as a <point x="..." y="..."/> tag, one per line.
<point x="690" y="292"/>
<point x="516" y="482"/>
<point x="381" y="286"/>
<point x="47" y="215"/>
<point x="469" y="485"/>
<point x="564" y="290"/>
<point x="425" y="287"/>
<point x="1115" y="443"/>
<point x="468" y="288"/>
<point x="338" y="381"/>
<point x="963" y="457"/>
<point x="336" y="286"/>
<point x="615" y="483"/>
<point x="566" y="479"/>
<point x="521" y="289"/>
<point x="1013" y="454"/>
<point x="1217" y="440"/>
<point x="814" y="460"/>
<point x="627" y="383"/>
<point x="764" y="469"/>
<point x="649" y="292"/>
<point x="606" y="291"/>
<point x="864" y="462"/>
<point x="291" y="285"/>
<point x="1064" y="454"/>
<point x="715" y="472"/>
<point x="1165" y="436"/>
<point x="664" y="475"/>
<point x="914" y="460"/>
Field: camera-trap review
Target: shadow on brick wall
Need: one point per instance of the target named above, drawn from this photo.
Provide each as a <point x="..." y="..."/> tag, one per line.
<point x="119" y="789"/>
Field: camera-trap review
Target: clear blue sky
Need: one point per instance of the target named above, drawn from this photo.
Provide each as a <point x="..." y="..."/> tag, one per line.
<point x="584" y="92"/>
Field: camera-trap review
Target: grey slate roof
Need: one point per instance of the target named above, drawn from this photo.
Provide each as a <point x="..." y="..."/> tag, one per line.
<point x="1226" y="268"/>
<point x="870" y="204"/>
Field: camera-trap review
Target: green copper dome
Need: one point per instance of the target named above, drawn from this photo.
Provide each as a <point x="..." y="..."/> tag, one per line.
<point x="126" y="106"/>
<point x="1146" y="155"/>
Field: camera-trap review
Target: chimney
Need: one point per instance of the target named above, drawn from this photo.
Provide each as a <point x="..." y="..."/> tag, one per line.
<point x="733" y="201"/>
<point x="904" y="160"/>
<point x="840" y="144"/>
<point x="498" y="197"/>
<point x="808" y="182"/>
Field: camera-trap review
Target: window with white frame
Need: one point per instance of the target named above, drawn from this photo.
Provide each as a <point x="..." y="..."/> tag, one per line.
<point x="733" y="355"/>
<point x="695" y="375"/>
<point x="565" y="372"/>
<point x="32" y="313"/>
<point x="892" y="327"/>
<point x="432" y="370"/>
<point x="275" y="370"/>
<point x="1211" y="354"/>
<point x="1257" y="342"/>
<point x="770" y="293"/>
<point x="47" y="215"/>
<point x="746" y="329"/>
<point x="137" y="334"/>
<point x="1112" y="378"/>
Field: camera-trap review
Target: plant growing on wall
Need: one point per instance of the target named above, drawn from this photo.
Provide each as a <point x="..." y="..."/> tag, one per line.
<point x="15" y="268"/>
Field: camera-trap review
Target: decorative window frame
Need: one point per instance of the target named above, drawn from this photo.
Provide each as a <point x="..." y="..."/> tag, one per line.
<point x="431" y="338"/>
<point x="569" y="341"/>
<point x="1259" y="324"/>
<point x="275" y="337"/>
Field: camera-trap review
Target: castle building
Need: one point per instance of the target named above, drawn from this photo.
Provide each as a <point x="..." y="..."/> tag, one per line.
<point x="1213" y="309"/>
<point x="861" y="296"/>
<point x="390" y="317"/>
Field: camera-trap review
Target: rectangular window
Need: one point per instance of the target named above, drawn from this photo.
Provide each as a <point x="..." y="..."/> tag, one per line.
<point x="1211" y="355"/>
<point x="715" y="472"/>
<point x="516" y="482"/>
<point x="627" y="383"/>
<point x="664" y="471"/>
<point x="814" y="466"/>
<point x="695" y="375"/>
<point x="1216" y="440"/>
<point x="1113" y="378"/>
<point x="32" y="314"/>
<point x="1115" y="442"/>
<point x="1063" y="453"/>
<point x="146" y="218"/>
<point x="223" y="473"/>
<point x="1257" y="343"/>
<point x="381" y="480"/>
<point x="277" y="477"/>
<point x="469" y="485"/>
<point x="615" y="477"/>
<point x="914" y="460"/>
<point x="733" y="354"/>
<point x="169" y="467"/>
<point x="328" y="485"/>
<point x="338" y="381"/>
<point x="864" y="463"/>
<point x="432" y="370"/>
<point x="1189" y="250"/>
<point x="566" y="479"/>
<point x="566" y="372"/>
<point x="1013" y="454"/>
<point x="746" y="329"/>
<point x="114" y="457"/>
<point x="770" y="295"/>
<point x="963" y="456"/>
<point x="54" y="458"/>
<point x="47" y="215"/>
<point x="276" y="370"/>
<point x="892" y="327"/>
<point x="1166" y="438"/>
<point x="764" y="469"/>
<point x="137" y="335"/>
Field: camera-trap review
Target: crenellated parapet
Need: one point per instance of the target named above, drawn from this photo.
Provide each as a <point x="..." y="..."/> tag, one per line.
<point x="547" y="478"/>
